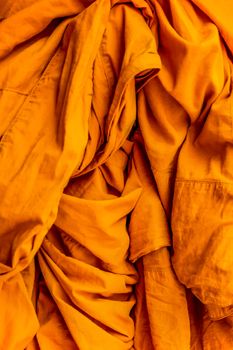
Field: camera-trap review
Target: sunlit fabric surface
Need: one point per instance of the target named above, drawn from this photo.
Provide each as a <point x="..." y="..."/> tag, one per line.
<point x="116" y="182"/>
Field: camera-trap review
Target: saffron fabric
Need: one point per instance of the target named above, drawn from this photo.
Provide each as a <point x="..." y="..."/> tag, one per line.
<point x="116" y="175"/>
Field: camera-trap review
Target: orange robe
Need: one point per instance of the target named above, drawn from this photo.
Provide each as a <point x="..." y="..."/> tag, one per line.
<point x="116" y="175"/>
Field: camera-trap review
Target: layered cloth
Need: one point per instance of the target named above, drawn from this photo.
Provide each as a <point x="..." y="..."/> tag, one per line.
<point x="116" y="175"/>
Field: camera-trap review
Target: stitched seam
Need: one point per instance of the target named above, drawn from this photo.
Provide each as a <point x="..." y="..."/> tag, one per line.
<point x="14" y="91"/>
<point x="103" y="53"/>
<point x="104" y="70"/>
<point x="204" y="181"/>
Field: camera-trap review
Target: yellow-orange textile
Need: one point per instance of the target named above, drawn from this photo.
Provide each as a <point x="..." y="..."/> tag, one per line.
<point x="116" y="181"/>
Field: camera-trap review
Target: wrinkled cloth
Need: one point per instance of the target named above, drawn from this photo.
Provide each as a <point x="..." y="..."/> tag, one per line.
<point x="116" y="175"/>
<point x="185" y="115"/>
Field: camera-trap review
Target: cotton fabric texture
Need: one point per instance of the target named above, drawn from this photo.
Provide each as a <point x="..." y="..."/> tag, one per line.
<point x="116" y="177"/>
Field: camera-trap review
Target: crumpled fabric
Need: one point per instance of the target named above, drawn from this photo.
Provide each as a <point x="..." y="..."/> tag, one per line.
<point x="116" y="175"/>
